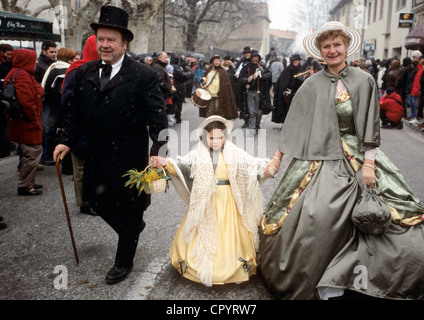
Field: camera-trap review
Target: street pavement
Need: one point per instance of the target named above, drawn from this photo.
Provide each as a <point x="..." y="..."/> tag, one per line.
<point x="37" y="258"/>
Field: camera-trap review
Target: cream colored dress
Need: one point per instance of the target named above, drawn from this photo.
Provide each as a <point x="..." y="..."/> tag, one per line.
<point x="235" y="258"/>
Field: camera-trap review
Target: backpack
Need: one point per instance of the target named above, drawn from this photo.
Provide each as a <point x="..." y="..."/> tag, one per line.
<point x="9" y="100"/>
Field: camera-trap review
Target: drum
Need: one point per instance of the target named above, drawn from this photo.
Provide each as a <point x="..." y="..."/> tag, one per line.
<point x="201" y="98"/>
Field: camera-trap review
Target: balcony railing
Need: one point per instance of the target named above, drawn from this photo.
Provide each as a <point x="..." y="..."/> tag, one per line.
<point x="417" y="4"/>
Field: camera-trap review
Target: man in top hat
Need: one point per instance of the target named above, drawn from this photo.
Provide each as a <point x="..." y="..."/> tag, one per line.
<point x="247" y="53"/>
<point x="217" y="82"/>
<point x="117" y="102"/>
<point x="270" y="57"/>
<point x="256" y="80"/>
<point x="240" y="96"/>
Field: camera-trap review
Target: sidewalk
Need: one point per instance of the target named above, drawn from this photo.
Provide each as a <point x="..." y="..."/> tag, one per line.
<point x="413" y="126"/>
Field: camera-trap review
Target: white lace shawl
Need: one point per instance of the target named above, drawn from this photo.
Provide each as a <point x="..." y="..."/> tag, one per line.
<point x="244" y="173"/>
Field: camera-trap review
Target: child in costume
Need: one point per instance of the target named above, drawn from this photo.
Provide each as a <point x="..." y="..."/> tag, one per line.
<point x="217" y="240"/>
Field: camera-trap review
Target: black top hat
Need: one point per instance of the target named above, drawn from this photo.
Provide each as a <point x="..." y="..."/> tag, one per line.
<point x="256" y="53"/>
<point x="247" y="49"/>
<point x="114" y="18"/>
<point x="295" y="57"/>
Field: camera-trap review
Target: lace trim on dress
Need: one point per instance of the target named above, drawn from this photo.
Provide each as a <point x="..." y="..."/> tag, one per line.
<point x="243" y="172"/>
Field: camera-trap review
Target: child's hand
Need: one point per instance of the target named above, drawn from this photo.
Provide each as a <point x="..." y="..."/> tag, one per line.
<point x="157" y="162"/>
<point x="272" y="168"/>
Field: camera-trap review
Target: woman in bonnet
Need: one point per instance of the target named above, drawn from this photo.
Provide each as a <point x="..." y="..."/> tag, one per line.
<point x="310" y="248"/>
<point x="217" y="240"/>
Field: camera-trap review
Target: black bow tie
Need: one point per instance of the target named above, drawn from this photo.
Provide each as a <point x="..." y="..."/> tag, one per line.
<point x="106" y="72"/>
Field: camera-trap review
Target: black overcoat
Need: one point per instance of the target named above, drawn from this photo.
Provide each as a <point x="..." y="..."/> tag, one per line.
<point x="285" y="81"/>
<point x="117" y="121"/>
<point x="265" y="83"/>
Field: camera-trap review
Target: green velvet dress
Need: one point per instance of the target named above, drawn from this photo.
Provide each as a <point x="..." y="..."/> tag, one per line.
<point x="309" y="246"/>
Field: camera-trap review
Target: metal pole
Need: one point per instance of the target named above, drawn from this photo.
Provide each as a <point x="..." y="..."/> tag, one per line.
<point x="163" y="26"/>
<point x="62" y="23"/>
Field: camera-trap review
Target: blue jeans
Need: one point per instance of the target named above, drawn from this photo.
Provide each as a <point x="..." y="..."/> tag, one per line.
<point x="412" y="101"/>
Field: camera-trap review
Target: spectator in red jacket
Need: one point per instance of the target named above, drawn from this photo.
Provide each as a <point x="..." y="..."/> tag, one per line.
<point x="415" y="92"/>
<point x="27" y="131"/>
<point x="391" y="109"/>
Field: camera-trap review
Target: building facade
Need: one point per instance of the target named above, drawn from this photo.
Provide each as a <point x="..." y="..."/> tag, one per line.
<point x="415" y="39"/>
<point x="284" y="41"/>
<point x="71" y="19"/>
<point x="384" y="25"/>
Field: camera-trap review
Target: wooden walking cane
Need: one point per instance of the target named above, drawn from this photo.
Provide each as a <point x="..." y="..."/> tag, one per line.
<point x="59" y="175"/>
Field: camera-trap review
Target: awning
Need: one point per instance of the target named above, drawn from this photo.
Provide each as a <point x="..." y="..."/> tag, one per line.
<point x="415" y="39"/>
<point x="20" y="27"/>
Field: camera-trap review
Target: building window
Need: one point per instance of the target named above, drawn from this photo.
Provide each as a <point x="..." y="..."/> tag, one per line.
<point x="375" y="11"/>
<point x="382" y="9"/>
<point x="400" y="3"/>
<point x="369" y="12"/>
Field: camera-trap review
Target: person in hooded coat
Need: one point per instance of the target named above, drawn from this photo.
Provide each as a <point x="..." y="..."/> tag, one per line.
<point x="78" y="152"/>
<point x="180" y="77"/>
<point x="5" y="66"/>
<point x="217" y="82"/>
<point x="27" y="131"/>
<point x="287" y="86"/>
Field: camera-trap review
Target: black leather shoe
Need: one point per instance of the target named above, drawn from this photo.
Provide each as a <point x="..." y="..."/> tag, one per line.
<point x="22" y="191"/>
<point x="88" y="210"/>
<point x="47" y="162"/>
<point x="116" y="274"/>
<point x="37" y="186"/>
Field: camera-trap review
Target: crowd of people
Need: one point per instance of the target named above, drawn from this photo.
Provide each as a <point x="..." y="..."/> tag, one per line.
<point x="100" y="110"/>
<point x="399" y="84"/>
<point x="270" y="89"/>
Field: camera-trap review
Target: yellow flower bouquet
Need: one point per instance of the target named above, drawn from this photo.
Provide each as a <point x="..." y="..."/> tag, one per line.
<point x="151" y="180"/>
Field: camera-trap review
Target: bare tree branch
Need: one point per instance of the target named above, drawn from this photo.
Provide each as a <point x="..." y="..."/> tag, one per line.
<point x="195" y="13"/>
<point x="40" y="9"/>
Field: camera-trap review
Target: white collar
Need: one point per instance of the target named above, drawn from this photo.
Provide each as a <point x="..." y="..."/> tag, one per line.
<point x="115" y="67"/>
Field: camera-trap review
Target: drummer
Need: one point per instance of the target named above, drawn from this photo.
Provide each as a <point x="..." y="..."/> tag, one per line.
<point x="217" y="82"/>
